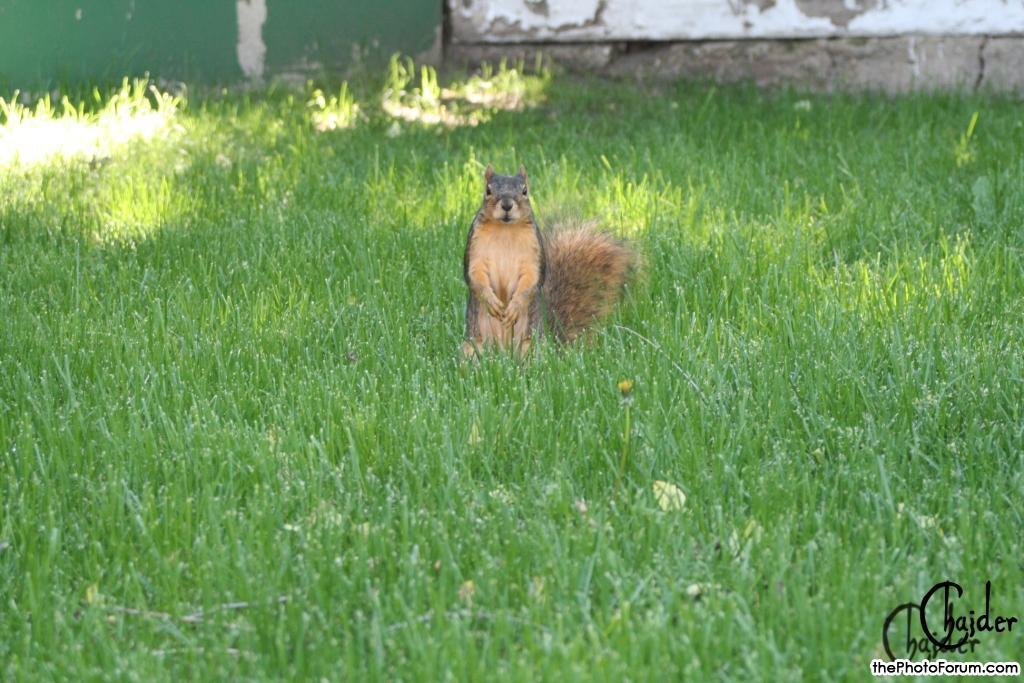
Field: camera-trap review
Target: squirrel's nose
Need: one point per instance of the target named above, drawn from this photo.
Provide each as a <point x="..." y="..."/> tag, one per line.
<point x="506" y="204"/>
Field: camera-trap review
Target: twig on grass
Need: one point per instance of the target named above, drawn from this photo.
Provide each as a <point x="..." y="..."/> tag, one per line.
<point x="234" y="651"/>
<point x="196" y="617"/>
<point x="465" y="614"/>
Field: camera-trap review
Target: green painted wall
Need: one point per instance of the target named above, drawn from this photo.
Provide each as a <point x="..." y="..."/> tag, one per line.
<point x="326" y="30"/>
<point x="43" y="42"/>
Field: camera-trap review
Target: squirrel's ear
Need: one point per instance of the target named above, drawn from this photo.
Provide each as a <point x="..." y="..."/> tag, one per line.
<point x="522" y="171"/>
<point x="488" y="172"/>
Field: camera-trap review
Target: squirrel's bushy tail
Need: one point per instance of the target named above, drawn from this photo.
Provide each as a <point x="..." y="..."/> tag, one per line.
<point x="586" y="271"/>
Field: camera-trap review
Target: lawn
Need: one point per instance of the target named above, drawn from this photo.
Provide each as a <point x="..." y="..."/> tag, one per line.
<point x="237" y="439"/>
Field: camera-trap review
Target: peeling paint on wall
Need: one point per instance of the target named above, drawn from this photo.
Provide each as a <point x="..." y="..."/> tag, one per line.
<point x="839" y="13"/>
<point x="501" y="21"/>
<point x="252" y="51"/>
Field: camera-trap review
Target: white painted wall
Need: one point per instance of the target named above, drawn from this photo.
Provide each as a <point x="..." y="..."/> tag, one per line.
<point x="509" y="21"/>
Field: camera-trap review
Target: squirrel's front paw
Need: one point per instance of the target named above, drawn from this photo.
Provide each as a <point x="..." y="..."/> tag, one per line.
<point x="514" y="311"/>
<point x="495" y="307"/>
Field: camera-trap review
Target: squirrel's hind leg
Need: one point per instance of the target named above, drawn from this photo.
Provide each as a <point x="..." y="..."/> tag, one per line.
<point x="471" y="350"/>
<point x="473" y="345"/>
<point x="522" y="332"/>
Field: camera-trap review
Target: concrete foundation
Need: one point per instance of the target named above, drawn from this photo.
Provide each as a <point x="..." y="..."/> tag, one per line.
<point x="889" y="64"/>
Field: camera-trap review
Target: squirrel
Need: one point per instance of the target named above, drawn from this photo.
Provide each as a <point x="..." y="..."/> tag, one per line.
<point x="522" y="280"/>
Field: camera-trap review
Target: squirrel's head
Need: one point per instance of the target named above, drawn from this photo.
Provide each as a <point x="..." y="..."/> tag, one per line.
<point x="505" y="197"/>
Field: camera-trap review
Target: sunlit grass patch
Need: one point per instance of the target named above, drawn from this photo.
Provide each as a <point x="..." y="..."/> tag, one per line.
<point x="504" y="87"/>
<point x="467" y="102"/>
<point x="926" y="282"/>
<point x="138" y="111"/>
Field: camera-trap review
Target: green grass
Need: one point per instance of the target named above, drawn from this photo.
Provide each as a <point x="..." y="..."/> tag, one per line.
<point x="229" y="373"/>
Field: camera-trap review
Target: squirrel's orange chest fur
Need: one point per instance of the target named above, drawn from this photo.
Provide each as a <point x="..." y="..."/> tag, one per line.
<point x="505" y="253"/>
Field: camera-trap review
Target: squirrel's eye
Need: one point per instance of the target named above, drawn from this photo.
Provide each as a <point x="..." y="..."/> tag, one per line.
<point x="524" y="191"/>
<point x="488" y="190"/>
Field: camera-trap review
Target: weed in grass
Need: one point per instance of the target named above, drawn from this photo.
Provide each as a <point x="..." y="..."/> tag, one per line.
<point x="964" y="153"/>
<point x="335" y="112"/>
<point x="626" y="391"/>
